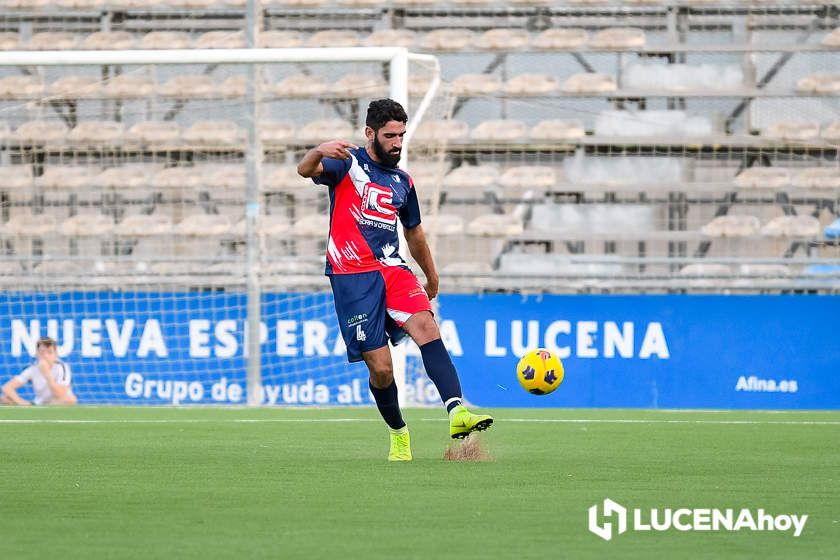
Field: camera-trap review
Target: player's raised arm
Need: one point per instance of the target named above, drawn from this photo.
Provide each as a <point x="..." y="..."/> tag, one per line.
<point x="9" y="394"/>
<point x="311" y="166"/>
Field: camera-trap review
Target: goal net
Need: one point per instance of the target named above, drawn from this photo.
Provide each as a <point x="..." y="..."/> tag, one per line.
<point x="148" y="196"/>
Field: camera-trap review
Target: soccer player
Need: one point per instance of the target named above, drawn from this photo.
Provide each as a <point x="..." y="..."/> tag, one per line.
<point x="50" y="379"/>
<point x="377" y="297"/>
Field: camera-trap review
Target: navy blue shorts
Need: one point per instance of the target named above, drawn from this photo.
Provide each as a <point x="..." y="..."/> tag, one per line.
<point x="373" y="306"/>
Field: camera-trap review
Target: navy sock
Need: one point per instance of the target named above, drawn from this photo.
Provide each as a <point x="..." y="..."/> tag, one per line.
<point x="441" y="371"/>
<point x="388" y="405"/>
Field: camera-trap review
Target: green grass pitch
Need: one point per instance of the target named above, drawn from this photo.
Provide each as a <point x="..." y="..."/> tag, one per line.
<point x="314" y="483"/>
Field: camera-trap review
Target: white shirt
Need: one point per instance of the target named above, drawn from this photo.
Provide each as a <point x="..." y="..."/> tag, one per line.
<point x="61" y="373"/>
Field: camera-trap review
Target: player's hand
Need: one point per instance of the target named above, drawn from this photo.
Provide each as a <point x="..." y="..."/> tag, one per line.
<point x="45" y="367"/>
<point x="336" y="149"/>
<point x="431" y="287"/>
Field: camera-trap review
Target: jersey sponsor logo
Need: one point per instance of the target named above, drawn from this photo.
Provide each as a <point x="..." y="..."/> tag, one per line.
<point x="377" y="204"/>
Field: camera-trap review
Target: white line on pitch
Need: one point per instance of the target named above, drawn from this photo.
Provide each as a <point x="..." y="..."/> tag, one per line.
<point x="339" y="420"/>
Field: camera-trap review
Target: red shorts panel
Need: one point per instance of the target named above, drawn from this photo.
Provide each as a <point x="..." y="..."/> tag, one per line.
<point x="404" y="294"/>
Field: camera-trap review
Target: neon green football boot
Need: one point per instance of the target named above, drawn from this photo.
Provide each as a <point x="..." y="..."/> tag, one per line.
<point x="462" y="422"/>
<point x="400" y="445"/>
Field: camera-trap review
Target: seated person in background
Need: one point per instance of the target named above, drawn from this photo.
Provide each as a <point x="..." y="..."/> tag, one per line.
<point x="50" y="379"/>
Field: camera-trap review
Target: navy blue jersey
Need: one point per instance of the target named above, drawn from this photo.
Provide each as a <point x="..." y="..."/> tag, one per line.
<point x="365" y="200"/>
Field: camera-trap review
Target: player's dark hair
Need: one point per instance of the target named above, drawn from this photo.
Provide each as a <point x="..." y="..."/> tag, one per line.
<point x="381" y="111"/>
<point x="45" y="341"/>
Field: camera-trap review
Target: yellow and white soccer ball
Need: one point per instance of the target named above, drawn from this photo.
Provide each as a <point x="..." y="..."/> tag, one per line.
<point x="540" y="372"/>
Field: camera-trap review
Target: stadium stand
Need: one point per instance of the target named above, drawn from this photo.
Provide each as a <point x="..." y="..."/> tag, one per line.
<point x="642" y="143"/>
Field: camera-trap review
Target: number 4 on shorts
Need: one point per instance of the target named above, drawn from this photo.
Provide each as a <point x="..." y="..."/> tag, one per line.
<point x="360" y="334"/>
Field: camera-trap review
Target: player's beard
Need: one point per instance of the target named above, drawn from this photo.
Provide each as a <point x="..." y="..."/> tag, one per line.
<point x="385" y="158"/>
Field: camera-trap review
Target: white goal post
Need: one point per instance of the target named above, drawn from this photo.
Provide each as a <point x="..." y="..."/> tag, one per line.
<point x="397" y="60"/>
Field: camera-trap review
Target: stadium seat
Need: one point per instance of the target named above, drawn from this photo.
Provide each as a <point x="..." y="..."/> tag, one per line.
<point x="540" y="177"/>
<point x="439" y="130"/>
<point x="391" y="38"/>
<point x="52" y="41"/>
<point x="299" y="3"/>
<point x="109" y="40"/>
<point x="789" y="130"/>
<point x="214" y="133"/>
<point x="274" y="226"/>
<point x="326" y="129"/>
<point x="187" y="86"/>
<point x="16" y="177"/>
<point x="30" y="225"/>
<point x="360" y="3"/>
<point x="234" y="86"/>
<point x="557" y="129"/>
<point x="443" y="224"/>
<point x="88" y="224"/>
<point x="471" y="177"/>
<point x="447" y="40"/>
<point x="166" y="40"/>
<point x="817" y="178"/>
<point x="792" y="226"/>
<point x="589" y="82"/>
<point x="154" y="133"/>
<point x="203" y="225"/>
<point x="313" y="225"/>
<point x="223" y="176"/>
<point x="67" y="177"/>
<point x="831" y="132"/>
<point x="503" y="39"/>
<point x="819" y="82"/>
<point x="189" y="4"/>
<point x="26" y="4"/>
<point x="41" y="132"/>
<point x="503" y="130"/>
<point x="73" y="87"/>
<point x="221" y="40"/>
<point x="427" y="175"/>
<point x="20" y="87"/>
<point x="301" y="85"/>
<point x="832" y="231"/>
<point x="127" y="176"/>
<point x="559" y="39"/>
<point x="141" y="225"/>
<point x="763" y="178"/>
<point x="359" y="85"/>
<point x="334" y="39"/>
<point x="476" y="84"/>
<point x="495" y="225"/>
<point x="832" y="39"/>
<point x="732" y="226"/>
<point x="81" y="4"/>
<point x="706" y="269"/>
<point x="764" y="270"/>
<point x="618" y="38"/>
<point x="96" y="132"/>
<point x="131" y="85"/>
<point x="9" y="41"/>
<point x="418" y="85"/>
<point x="525" y="85"/>
<point x="277" y="39"/>
<point x="177" y="178"/>
<point x="284" y="178"/>
<point x="277" y="132"/>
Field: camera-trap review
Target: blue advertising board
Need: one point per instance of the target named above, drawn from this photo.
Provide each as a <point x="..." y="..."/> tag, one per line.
<point x="741" y="352"/>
